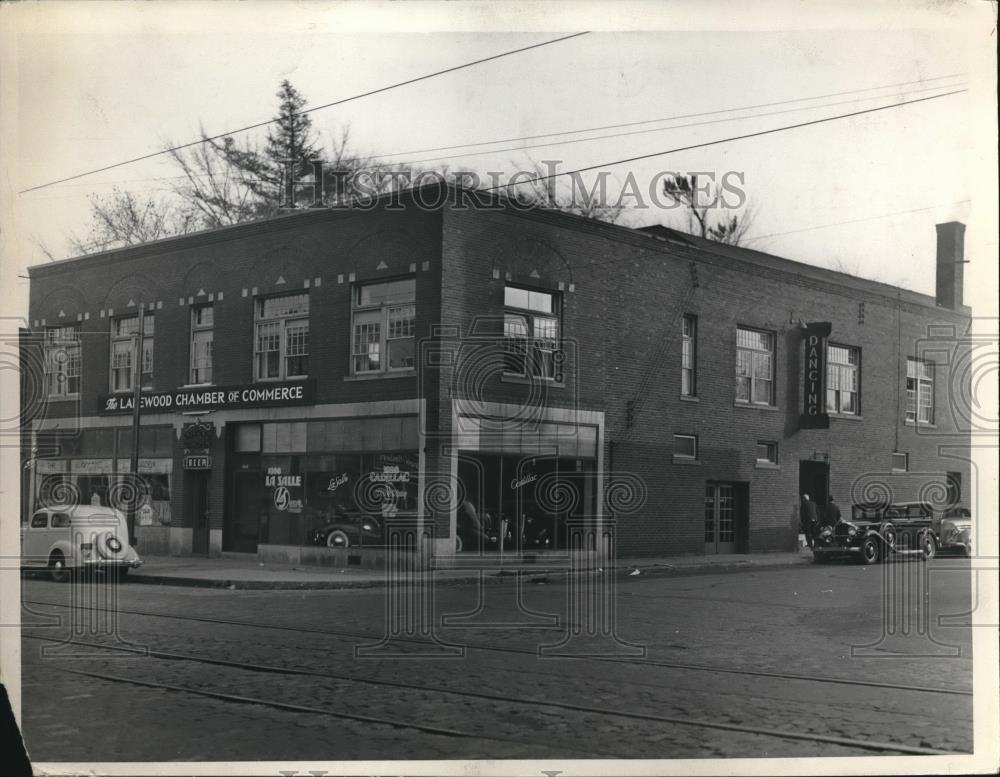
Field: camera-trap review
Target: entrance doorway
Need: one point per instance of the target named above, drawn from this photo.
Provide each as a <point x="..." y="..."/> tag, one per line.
<point x="196" y="488"/>
<point x="720" y="518"/>
<point x="727" y="518"/>
<point x="244" y="519"/>
<point x="814" y="479"/>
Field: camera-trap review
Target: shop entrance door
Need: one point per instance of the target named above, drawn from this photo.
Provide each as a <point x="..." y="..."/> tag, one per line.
<point x="197" y="488"/>
<point x="814" y="479"/>
<point x="720" y="518"/>
<point x="244" y="525"/>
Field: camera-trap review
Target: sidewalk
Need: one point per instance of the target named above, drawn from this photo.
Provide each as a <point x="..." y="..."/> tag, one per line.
<point x="246" y="572"/>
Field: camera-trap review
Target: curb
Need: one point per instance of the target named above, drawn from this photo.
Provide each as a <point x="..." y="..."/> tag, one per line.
<point x="534" y="575"/>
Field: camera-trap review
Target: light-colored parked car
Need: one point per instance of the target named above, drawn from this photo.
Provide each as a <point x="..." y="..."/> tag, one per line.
<point x="68" y="538"/>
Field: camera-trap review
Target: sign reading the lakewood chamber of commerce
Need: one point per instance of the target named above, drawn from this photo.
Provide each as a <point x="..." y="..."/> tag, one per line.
<point x="300" y="392"/>
<point x="814" y="414"/>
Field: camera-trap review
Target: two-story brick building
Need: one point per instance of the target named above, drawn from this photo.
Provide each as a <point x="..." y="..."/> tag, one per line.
<point x="422" y="353"/>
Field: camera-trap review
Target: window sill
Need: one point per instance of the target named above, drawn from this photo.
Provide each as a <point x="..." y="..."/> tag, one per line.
<point x="63" y="397"/>
<point x="525" y="380"/>
<point x="766" y="465"/>
<point x="126" y="392"/>
<point x="275" y="380"/>
<point x="920" y="424"/>
<point x="687" y="398"/>
<point x="381" y="376"/>
<point x="198" y="385"/>
<point x="749" y="406"/>
<point x="846" y="417"/>
<point x="687" y="460"/>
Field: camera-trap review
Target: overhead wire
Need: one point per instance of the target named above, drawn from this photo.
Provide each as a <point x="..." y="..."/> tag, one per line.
<point x="369" y="93"/>
<point x="393" y="154"/>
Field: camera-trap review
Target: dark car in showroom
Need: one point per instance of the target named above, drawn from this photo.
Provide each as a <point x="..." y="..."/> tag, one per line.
<point x="348" y="529"/>
<point x="877" y="532"/>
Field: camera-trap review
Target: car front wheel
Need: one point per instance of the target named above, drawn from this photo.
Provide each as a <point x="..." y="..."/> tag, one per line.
<point x="871" y="551"/>
<point x="57" y="568"/>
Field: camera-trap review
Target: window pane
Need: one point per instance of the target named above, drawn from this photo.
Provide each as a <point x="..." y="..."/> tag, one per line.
<point x="401" y="322"/>
<point x="366" y="348"/>
<point x="514" y="297"/>
<point x="390" y="291"/>
<point x="743" y="389"/>
<point x="547" y="331"/>
<point x="203" y="316"/>
<point x="278" y="307"/>
<point x="761" y="366"/>
<point x="297" y="338"/>
<point x="762" y="391"/>
<point x="685" y="445"/>
<point x="743" y="360"/>
<point x="401" y="353"/>
<point x="123" y="327"/>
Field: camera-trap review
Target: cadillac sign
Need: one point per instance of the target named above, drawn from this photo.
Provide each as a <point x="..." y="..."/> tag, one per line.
<point x="814" y="414"/>
<point x="300" y="392"/>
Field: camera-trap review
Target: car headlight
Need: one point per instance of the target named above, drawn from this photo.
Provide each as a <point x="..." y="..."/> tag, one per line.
<point x="852" y="531"/>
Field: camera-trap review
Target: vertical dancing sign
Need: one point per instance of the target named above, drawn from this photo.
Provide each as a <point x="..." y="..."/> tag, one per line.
<point x="814" y="414"/>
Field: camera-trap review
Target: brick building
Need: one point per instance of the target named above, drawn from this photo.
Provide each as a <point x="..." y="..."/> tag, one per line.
<point x="407" y="358"/>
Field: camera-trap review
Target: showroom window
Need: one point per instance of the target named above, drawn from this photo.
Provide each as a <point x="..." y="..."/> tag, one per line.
<point x="62" y="360"/>
<point x="754" y="366"/>
<point x="531" y="333"/>
<point x="281" y="342"/>
<point x="383" y="325"/>
<point x="124" y="331"/>
<point x="843" y="370"/>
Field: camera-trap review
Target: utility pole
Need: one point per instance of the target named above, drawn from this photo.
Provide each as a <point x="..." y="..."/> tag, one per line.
<point x="136" y="398"/>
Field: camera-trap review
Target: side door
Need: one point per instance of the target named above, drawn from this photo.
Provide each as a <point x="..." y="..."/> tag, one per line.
<point x="34" y="540"/>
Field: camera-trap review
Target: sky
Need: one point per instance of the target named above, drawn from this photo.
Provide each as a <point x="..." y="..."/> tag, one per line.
<point x="89" y="85"/>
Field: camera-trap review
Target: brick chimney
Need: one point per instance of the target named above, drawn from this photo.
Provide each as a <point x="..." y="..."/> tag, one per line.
<point x="950" y="264"/>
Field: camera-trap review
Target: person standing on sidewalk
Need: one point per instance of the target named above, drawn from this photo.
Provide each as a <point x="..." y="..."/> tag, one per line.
<point x="808" y="519"/>
<point x="832" y="512"/>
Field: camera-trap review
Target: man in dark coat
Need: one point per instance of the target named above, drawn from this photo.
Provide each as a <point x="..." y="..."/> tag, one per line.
<point x="808" y="519"/>
<point x="832" y="512"/>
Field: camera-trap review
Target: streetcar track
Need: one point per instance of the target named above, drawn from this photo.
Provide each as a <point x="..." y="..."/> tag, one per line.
<point x="518" y="651"/>
<point x="674" y="720"/>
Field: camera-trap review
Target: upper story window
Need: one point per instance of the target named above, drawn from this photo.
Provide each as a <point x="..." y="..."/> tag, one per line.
<point x="281" y="341"/>
<point x="919" y="391"/>
<point x="62" y="360"/>
<point x="531" y="333"/>
<point x="124" y="336"/>
<point x="843" y="368"/>
<point x="383" y="323"/>
<point x="689" y="329"/>
<point x="202" y="335"/>
<point x="685" y="446"/>
<point x="754" y="366"/>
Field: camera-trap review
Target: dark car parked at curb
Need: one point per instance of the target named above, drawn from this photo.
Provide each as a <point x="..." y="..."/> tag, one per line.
<point x="876" y="532"/>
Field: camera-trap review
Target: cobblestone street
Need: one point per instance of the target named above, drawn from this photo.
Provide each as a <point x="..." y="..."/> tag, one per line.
<point x="805" y="661"/>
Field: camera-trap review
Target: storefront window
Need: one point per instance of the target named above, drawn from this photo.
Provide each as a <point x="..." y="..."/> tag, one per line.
<point x="338" y="500"/>
<point x="521" y="502"/>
